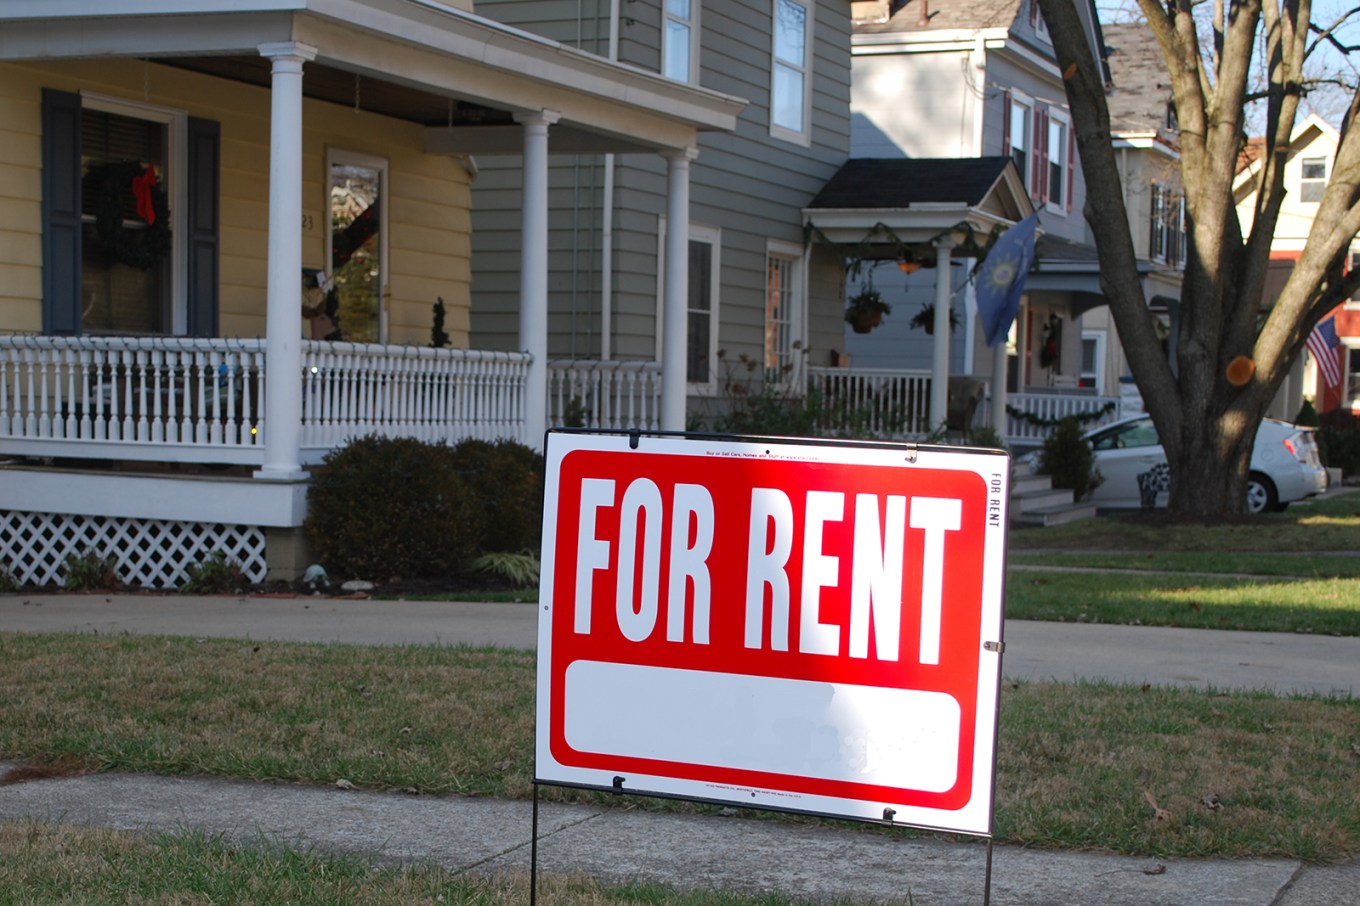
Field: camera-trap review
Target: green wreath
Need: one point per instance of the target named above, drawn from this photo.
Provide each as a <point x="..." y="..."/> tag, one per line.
<point x="114" y="196"/>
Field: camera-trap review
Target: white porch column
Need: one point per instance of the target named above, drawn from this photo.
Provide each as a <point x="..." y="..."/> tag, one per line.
<point x="675" y="296"/>
<point x="283" y="317"/>
<point x="533" y="279"/>
<point x="999" y="363"/>
<point x="939" y="362"/>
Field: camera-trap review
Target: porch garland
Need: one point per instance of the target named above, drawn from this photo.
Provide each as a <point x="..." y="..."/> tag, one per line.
<point x="1081" y="418"/>
<point x="131" y="184"/>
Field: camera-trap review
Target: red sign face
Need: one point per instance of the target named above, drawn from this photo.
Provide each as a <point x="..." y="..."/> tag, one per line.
<point x="789" y="625"/>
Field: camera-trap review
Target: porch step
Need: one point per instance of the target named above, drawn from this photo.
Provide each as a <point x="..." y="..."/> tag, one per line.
<point x="1034" y="500"/>
<point x="1056" y="515"/>
<point x="1041" y="498"/>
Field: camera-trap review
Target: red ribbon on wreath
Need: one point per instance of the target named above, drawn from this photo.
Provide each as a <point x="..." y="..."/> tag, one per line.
<point x="142" y="187"/>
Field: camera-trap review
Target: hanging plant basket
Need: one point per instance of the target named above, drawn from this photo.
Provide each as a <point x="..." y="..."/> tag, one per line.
<point x="925" y="319"/>
<point x="130" y="187"/>
<point x="865" y="310"/>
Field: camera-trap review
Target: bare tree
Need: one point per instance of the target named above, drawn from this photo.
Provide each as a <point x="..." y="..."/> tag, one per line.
<point x="1207" y="412"/>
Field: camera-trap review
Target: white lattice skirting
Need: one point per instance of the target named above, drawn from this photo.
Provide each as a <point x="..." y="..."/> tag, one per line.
<point x="151" y="553"/>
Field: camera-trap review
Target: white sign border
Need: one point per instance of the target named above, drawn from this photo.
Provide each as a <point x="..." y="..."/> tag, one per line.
<point x="975" y="818"/>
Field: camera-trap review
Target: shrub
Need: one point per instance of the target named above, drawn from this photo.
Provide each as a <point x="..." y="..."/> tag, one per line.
<point x="986" y="437"/>
<point x="87" y="571"/>
<point x="1067" y="458"/>
<point x="505" y="480"/>
<point x="1339" y="442"/>
<point x="215" y="575"/>
<point x="392" y="507"/>
<point x="520" y="570"/>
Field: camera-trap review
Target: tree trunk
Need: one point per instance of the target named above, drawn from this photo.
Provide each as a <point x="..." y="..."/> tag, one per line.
<point x="1209" y="477"/>
<point x="1206" y="422"/>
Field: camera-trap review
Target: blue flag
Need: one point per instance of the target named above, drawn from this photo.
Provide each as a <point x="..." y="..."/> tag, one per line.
<point x="1001" y="279"/>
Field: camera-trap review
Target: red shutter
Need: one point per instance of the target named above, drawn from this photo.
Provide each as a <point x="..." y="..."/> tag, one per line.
<point x="1006" y="125"/>
<point x="1071" y="162"/>
<point x="1039" y="189"/>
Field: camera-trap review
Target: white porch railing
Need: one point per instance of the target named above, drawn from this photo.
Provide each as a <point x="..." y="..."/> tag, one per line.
<point x="866" y="402"/>
<point x="614" y="395"/>
<point x="352" y="389"/>
<point x="202" y="400"/>
<point x="132" y="398"/>
<point x="1050" y="407"/>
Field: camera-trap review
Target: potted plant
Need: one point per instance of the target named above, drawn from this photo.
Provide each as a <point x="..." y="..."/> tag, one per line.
<point x="865" y="310"/>
<point x="925" y="318"/>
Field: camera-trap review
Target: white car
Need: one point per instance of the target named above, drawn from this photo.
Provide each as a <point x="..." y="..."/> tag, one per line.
<point x="1284" y="465"/>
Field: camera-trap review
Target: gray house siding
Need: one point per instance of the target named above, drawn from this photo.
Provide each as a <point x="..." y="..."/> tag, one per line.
<point x="747" y="185"/>
<point x="895" y="94"/>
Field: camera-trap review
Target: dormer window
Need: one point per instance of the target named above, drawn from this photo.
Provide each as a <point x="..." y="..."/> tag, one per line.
<point x="1312" y="179"/>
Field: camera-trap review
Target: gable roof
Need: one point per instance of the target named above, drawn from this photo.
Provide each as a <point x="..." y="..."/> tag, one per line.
<point x="869" y="183"/>
<point x="1309" y="130"/>
<point x="917" y="200"/>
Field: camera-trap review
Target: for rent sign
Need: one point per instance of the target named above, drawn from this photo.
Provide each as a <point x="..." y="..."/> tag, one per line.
<point x="788" y="625"/>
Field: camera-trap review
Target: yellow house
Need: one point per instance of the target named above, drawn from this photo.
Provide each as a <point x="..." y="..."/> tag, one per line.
<point x="224" y="227"/>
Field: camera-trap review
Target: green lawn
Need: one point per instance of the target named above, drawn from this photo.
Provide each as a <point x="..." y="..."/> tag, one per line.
<point x="1075" y="763"/>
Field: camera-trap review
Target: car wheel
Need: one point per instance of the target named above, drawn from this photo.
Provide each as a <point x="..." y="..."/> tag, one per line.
<point x="1261" y="494"/>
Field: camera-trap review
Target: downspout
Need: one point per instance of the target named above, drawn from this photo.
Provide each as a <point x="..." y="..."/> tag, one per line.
<point x="977" y="89"/>
<point x="607" y="218"/>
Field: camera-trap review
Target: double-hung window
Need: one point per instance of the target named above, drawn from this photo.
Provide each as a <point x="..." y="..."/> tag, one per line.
<point x="130" y="222"/>
<point x="1312" y="179"/>
<point x="791" y="75"/>
<point x="1168" y="226"/>
<point x="678" y="39"/>
<point x="1057" y="176"/>
<point x="128" y="241"/>
<point x="701" y="305"/>
<point x="1017" y="118"/>
<point x="783" y="308"/>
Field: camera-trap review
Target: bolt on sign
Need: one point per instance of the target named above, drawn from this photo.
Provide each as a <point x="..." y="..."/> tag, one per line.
<point x="784" y="624"/>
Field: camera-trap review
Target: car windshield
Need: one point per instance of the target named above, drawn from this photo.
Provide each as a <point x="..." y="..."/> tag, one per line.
<point x="1137" y="433"/>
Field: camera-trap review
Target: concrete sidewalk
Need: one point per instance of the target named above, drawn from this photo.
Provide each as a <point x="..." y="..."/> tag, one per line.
<point x="741" y="852"/>
<point x="1201" y="658"/>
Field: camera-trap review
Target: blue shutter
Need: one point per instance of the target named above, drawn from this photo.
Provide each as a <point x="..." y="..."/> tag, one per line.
<point x="201" y="221"/>
<point x="61" y="229"/>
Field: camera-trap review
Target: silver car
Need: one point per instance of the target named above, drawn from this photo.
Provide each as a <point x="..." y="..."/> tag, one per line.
<point x="1284" y="465"/>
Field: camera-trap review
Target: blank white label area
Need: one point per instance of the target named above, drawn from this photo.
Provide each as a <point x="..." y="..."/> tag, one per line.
<point x="900" y="738"/>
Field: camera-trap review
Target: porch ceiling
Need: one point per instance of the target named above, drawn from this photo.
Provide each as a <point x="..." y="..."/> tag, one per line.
<point x="463" y="76"/>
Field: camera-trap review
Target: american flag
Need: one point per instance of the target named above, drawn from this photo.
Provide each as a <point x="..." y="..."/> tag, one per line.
<point x="1325" y="349"/>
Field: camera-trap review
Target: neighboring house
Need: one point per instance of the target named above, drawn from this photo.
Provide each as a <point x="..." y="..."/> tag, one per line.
<point x="966" y="81"/>
<point x="169" y="172"/>
<point x="1307" y="169"/>
<point x="1147" y="150"/>
<point x="975" y="80"/>
<point x="757" y="292"/>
